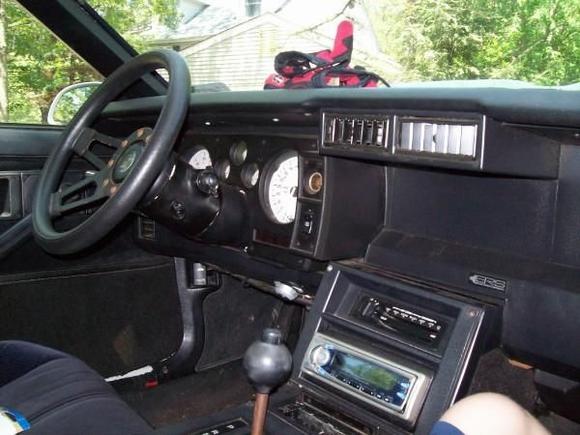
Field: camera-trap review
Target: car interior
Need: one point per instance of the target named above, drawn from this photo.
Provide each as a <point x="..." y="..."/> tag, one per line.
<point x="306" y="261"/>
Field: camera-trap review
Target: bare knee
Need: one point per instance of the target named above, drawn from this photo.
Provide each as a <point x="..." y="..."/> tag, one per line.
<point x="490" y="413"/>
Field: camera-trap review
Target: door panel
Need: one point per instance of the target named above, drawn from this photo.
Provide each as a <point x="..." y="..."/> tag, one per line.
<point x="25" y="147"/>
<point x="115" y="306"/>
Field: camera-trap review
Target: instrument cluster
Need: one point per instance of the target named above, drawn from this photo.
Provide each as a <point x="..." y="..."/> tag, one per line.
<point x="267" y="171"/>
<point x="294" y="198"/>
<point x="276" y="178"/>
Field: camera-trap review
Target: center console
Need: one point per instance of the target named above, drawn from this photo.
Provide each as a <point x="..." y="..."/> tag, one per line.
<point x="377" y="354"/>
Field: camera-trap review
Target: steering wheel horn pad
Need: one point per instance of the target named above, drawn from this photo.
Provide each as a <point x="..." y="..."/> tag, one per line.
<point x="128" y="155"/>
<point x="118" y="184"/>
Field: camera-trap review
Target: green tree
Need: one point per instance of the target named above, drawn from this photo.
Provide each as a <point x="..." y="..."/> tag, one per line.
<point x="38" y="65"/>
<point x="3" y="66"/>
<point x="532" y="40"/>
<point x="133" y="17"/>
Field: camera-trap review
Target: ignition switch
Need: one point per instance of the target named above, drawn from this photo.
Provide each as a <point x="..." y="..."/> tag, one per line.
<point x="207" y="181"/>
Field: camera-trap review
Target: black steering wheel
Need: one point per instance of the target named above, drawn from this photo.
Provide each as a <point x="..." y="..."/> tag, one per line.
<point x="117" y="185"/>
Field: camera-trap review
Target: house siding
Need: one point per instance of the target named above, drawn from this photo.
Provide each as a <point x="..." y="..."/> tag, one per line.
<point x="244" y="61"/>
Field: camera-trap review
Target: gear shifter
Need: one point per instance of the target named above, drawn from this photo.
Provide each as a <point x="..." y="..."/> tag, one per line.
<point x="267" y="363"/>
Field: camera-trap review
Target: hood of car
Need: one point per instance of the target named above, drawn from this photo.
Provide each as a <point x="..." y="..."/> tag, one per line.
<point x="485" y="83"/>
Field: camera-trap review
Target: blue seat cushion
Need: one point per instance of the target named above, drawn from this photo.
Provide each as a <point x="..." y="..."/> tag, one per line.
<point x="59" y="394"/>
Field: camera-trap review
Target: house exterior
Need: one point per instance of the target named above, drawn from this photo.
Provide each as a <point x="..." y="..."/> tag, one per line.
<point x="236" y="46"/>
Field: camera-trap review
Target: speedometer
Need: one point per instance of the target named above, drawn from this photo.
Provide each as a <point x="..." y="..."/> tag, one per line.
<point x="280" y="188"/>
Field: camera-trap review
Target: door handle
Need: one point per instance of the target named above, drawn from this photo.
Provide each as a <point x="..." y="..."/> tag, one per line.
<point x="10" y="196"/>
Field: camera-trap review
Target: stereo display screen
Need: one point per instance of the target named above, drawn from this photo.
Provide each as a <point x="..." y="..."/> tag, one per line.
<point x="380" y="382"/>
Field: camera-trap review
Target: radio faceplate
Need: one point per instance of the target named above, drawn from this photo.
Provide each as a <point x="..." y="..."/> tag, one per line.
<point x="413" y="324"/>
<point x="392" y="386"/>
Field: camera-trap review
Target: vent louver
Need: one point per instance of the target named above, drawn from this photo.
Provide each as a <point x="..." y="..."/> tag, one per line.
<point x="443" y="137"/>
<point x="355" y="130"/>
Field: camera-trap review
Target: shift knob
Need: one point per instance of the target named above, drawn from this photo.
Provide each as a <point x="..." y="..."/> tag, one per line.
<point x="268" y="362"/>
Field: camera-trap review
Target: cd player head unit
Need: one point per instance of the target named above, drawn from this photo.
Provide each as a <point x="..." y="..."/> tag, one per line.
<point x="394" y="387"/>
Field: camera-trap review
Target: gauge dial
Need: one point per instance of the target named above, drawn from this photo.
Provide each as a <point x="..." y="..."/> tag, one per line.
<point x="250" y="175"/>
<point x="281" y="188"/>
<point x="238" y="153"/>
<point x="200" y="159"/>
<point x="223" y="169"/>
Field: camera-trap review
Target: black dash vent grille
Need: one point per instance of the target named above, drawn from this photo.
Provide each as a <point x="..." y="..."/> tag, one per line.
<point x="355" y="130"/>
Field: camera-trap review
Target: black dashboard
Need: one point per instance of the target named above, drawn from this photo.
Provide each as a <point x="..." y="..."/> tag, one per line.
<point x="467" y="192"/>
<point x="290" y="189"/>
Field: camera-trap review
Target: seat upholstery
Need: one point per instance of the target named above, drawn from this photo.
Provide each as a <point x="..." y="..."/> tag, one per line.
<point x="60" y="395"/>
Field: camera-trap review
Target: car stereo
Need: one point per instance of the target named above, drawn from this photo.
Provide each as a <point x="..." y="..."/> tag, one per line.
<point x="393" y="386"/>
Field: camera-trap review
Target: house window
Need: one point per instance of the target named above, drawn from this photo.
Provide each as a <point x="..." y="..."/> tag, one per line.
<point x="253" y="7"/>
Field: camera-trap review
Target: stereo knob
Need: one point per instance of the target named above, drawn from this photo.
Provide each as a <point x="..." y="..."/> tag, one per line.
<point x="320" y="356"/>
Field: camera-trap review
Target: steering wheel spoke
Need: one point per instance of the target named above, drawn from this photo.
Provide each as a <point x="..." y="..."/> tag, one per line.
<point x="79" y="196"/>
<point x="87" y="138"/>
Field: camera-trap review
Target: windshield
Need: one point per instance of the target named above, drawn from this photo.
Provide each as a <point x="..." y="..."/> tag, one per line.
<point x="232" y="44"/>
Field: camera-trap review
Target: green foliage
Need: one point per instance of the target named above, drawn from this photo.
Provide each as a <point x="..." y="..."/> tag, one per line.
<point x="133" y="17"/>
<point x="39" y="65"/>
<point x="531" y="40"/>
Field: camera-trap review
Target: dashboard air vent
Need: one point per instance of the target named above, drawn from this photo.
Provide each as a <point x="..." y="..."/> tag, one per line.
<point x="445" y="137"/>
<point x="355" y="130"/>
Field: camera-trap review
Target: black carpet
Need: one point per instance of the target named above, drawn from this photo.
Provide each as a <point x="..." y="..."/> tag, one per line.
<point x="192" y="396"/>
<point x="558" y="425"/>
<point x="495" y="374"/>
<point x="235" y="316"/>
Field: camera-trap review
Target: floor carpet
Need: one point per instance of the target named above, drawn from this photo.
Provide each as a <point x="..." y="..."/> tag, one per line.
<point x="196" y="395"/>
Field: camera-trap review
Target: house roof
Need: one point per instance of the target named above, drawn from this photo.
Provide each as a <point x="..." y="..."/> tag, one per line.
<point x="203" y="21"/>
